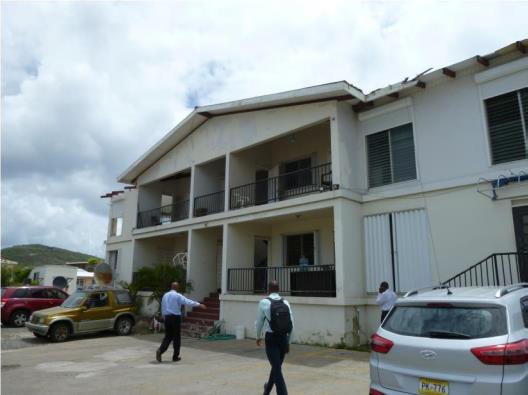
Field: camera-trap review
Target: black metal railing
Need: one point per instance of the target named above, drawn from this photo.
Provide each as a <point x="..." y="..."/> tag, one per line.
<point x="498" y="269"/>
<point x="284" y="186"/>
<point x="209" y="204"/>
<point x="293" y="280"/>
<point x="163" y="215"/>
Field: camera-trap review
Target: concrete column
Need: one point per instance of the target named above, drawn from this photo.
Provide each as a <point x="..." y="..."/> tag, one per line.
<point x="226" y="187"/>
<point x="191" y="192"/>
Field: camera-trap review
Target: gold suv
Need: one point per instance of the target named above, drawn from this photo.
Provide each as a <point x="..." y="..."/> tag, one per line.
<point x="86" y="311"/>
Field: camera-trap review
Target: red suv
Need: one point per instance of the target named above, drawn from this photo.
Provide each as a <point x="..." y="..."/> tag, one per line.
<point x="19" y="302"/>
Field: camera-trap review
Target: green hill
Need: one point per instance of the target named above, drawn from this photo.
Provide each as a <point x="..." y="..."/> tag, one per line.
<point x="38" y="254"/>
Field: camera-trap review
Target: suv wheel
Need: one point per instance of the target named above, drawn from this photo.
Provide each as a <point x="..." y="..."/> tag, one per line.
<point x="124" y="326"/>
<point x="60" y="332"/>
<point x="19" y="318"/>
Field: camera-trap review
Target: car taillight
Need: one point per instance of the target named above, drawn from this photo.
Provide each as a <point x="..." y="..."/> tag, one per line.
<point x="4" y="301"/>
<point x="380" y="344"/>
<point x="375" y="392"/>
<point x="503" y="354"/>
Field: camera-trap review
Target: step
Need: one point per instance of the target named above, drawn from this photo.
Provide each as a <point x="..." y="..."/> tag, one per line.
<point x="200" y="321"/>
<point x="203" y="314"/>
<point x="214" y="295"/>
<point x="212" y="304"/>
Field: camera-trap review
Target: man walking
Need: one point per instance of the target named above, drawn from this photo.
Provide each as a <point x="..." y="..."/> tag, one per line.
<point x="171" y="304"/>
<point x="386" y="299"/>
<point x="275" y="318"/>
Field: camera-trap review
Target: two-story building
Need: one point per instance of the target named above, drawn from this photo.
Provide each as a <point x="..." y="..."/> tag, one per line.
<point x="330" y="191"/>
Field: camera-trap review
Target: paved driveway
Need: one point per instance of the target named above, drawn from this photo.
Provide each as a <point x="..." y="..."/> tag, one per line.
<point x="126" y="365"/>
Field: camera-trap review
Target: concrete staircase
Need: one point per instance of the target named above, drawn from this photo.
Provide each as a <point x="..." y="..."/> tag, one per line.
<point x="198" y="323"/>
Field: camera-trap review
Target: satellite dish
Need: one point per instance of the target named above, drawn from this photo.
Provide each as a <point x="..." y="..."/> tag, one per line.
<point x="60" y="282"/>
<point x="103" y="274"/>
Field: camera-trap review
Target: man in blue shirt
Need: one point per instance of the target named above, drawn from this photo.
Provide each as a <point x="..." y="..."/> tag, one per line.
<point x="171" y="304"/>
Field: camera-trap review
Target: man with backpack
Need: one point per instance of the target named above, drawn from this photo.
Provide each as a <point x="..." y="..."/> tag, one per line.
<point x="275" y="319"/>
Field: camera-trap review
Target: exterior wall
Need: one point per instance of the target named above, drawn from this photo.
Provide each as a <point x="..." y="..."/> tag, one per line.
<point x="201" y="267"/>
<point x="125" y="253"/>
<point x="209" y="178"/>
<point x="150" y="196"/>
<point x="48" y="273"/>
<point x="224" y="134"/>
<point x="152" y="251"/>
<point x="123" y="205"/>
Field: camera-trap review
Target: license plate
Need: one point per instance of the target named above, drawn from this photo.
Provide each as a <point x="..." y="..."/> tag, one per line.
<point x="433" y="387"/>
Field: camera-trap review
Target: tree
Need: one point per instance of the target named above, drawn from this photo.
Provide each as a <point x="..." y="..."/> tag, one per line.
<point x="14" y="275"/>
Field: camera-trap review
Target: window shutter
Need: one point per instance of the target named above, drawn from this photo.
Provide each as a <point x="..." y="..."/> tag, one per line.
<point x="378" y="257"/>
<point x="506" y="133"/>
<point x="524" y="100"/>
<point x="379" y="161"/>
<point x="402" y="147"/>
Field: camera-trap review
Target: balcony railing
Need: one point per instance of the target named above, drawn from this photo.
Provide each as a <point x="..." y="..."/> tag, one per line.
<point x="163" y="215"/>
<point x="209" y="204"/>
<point x="284" y="186"/>
<point x="293" y="280"/>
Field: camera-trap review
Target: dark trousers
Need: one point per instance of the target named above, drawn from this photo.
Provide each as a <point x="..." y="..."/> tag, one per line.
<point x="172" y="334"/>
<point x="384" y="314"/>
<point x="276" y="347"/>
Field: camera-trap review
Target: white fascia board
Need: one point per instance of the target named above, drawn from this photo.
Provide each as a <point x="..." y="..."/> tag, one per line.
<point x="283" y="98"/>
<point x="154" y="153"/>
<point x="376" y="112"/>
<point x="502" y="70"/>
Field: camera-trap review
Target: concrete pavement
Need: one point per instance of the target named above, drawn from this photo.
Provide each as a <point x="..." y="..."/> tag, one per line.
<point x="126" y="365"/>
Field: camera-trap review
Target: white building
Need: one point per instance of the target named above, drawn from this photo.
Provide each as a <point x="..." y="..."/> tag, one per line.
<point x="412" y="184"/>
<point x="75" y="277"/>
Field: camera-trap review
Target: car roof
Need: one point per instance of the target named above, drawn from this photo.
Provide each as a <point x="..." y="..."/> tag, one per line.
<point x="465" y="294"/>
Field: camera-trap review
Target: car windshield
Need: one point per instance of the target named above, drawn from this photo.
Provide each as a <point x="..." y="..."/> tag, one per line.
<point x="74" y="300"/>
<point x="447" y="322"/>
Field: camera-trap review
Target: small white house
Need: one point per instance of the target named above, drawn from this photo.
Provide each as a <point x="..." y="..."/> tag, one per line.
<point x="47" y="274"/>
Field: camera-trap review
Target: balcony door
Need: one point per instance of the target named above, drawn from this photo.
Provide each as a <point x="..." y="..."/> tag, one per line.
<point x="261" y="187"/>
<point x="520" y="221"/>
<point x="260" y="263"/>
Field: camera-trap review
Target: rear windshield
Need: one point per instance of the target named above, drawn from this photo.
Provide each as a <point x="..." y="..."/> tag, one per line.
<point x="453" y="322"/>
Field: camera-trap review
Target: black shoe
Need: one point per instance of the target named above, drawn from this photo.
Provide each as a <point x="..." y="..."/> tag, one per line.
<point x="266" y="392"/>
<point x="176" y="359"/>
<point x="158" y="355"/>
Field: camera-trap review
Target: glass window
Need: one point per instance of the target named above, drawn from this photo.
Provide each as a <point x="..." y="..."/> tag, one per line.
<point x="456" y="322"/>
<point x="296" y="174"/>
<point x="112" y="259"/>
<point x="391" y="156"/>
<point x="98" y="299"/>
<point x="116" y="228"/>
<point x="56" y="294"/>
<point x="300" y="249"/>
<point x="123" y="297"/>
<point x="524" y="310"/>
<point x="20" y="293"/>
<point x="40" y="294"/>
<point x="74" y="300"/>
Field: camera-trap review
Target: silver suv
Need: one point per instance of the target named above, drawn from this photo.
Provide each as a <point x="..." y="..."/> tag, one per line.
<point x="471" y="341"/>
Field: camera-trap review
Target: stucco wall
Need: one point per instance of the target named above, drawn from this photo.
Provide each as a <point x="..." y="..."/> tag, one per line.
<point x="201" y="267"/>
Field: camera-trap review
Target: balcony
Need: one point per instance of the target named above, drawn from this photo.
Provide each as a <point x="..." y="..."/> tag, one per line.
<point x="285" y="186"/>
<point x="209" y="204"/>
<point x="163" y="215"/>
<point x="317" y="281"/>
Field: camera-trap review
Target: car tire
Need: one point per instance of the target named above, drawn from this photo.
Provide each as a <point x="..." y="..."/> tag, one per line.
<point x="18" y="318"/>
<point x="60" y="332"/>
<point x="124" y="326"/>
<point x="39" y="335"/>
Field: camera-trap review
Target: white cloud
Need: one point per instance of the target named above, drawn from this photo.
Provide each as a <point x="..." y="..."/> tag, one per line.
<point x="88" y="86"/>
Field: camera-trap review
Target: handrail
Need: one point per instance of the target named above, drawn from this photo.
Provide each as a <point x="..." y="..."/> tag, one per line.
<point x="209" y="204"/>
<point x="498" y="269"/>
<point x="164" y="214"/>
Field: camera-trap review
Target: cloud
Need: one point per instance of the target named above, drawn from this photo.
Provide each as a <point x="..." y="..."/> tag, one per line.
<point x="87" y="87"/>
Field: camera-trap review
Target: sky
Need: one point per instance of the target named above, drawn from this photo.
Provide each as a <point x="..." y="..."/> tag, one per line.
<point x="87" y="87"/>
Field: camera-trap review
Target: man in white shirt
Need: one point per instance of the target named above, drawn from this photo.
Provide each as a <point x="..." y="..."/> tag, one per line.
<point x="171" y="305"/>
<point x="277" y="340"/>
<point x="386" y="299"/>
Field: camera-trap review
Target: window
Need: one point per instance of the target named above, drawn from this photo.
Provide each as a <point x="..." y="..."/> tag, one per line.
<point x="296" y="174"/>
<point x="524" y="310"/>
<point x="398" y="250"/>
<point x="80" y="282"/>
<point x="112" y="260"/>
<point x="20" y="293"/>
<point x="99" y="299"/>
<point x="36" y="276"/>
<point x="300" y="245"/>
<point x="116" y="226"/>
<point x="461" y="322"/>
<point x="56" y="294"/>
<point x="390" y="156"/>
<point x="123" y="298"/>
<point x="40" y="294"/>
<point x="507" y="117"/>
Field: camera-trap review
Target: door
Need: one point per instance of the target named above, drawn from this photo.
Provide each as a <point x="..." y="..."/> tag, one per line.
<point x="261" y="187"/>
<point x="261" y="265"/>
<point x="99" y="314"/>
<point x="520" y="221"/>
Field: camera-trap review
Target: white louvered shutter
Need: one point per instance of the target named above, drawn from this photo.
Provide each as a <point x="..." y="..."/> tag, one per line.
<point x="377" y="251"/>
